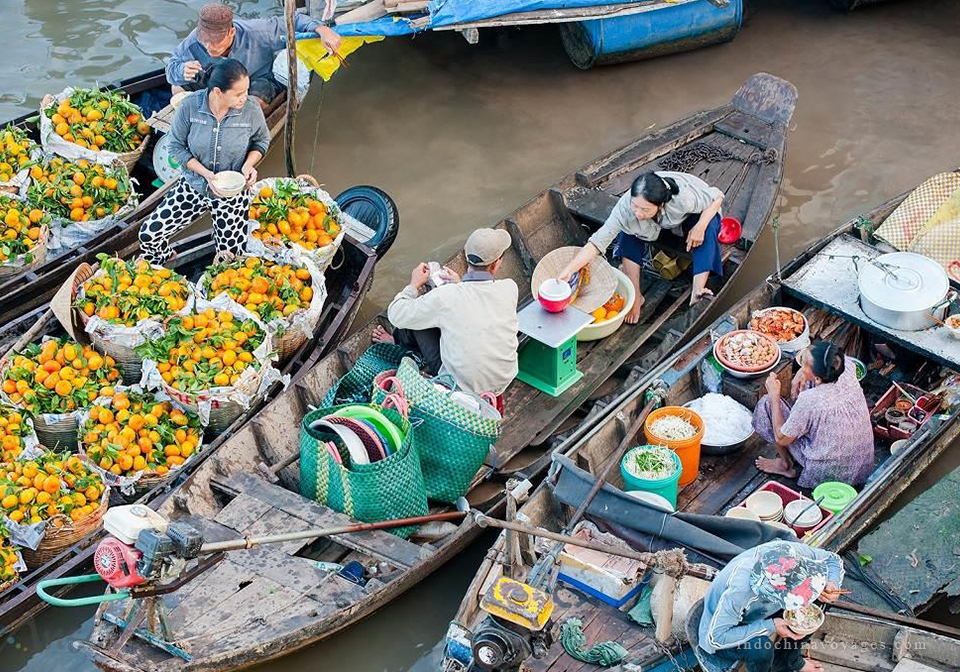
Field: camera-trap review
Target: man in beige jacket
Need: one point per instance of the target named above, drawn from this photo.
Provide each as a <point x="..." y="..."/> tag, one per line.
<point x="466" y="327"/>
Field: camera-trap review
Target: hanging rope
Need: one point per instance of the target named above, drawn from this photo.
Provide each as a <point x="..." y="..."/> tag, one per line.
<point x="289" y="131"/>
<point x="573" y="641"/>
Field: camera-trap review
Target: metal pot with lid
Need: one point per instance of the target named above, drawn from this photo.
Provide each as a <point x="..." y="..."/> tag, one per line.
<point x="901" y="290"/>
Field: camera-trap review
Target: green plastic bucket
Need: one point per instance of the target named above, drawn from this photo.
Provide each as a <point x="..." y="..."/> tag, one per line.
<point x="665" y="487"/>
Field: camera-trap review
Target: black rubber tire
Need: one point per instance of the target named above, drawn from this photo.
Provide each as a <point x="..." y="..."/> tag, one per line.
<point x="375" y="208"/>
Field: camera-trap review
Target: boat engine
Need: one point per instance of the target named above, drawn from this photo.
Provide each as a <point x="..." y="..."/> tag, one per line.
<point x="514" y="628"/>
<point x="143" y="547"/>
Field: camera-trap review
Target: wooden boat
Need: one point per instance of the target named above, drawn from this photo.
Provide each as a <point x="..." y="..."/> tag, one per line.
<point x="260" y="605"/>
<point x="22" y="293"/>
<point x="347" y="284"/>
<point x="725" y="480"/>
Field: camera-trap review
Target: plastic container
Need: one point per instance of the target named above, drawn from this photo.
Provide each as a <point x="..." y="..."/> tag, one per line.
<point x="687" y="449"/>
<point x="788" y="495"/>
<point x="665" y="487"/>
<point x="229" y="183"/>
<point x="598" y="330"/>
<point x="554" y="295"/>
<point x="730" y="230"/>
<point x="836" y="495"/>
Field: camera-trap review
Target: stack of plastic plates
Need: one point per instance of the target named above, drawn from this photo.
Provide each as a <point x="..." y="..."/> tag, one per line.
<point x="366" y="434"/>
<point x="767" y="505"/>
<point x="800" y="513"/>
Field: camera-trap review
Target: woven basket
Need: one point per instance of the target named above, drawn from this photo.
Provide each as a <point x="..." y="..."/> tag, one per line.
<point x="128" y="159"/>
<point x="222" y="412"/>
<point x="60" y="435"/>
<point x="128" y="361"/>
<point x="289" y="342"/>
<point x="39" y="255"/>
<point x="56" y="540"/>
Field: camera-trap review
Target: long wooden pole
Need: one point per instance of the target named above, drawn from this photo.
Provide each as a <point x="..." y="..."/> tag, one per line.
<point x="289" y="131"/>
<point x="920" y="624"/>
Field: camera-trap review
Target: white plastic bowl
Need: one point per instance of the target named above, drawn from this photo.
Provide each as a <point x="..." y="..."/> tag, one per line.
<point x="598" y="330"/>
<point x="229" y="183"/>
<point x="797" y="344"/>
<point x="743" y="513"/>
<point x="811" y="517"/>
<point x="651" y="498"/>
<point x="767" y="505"/>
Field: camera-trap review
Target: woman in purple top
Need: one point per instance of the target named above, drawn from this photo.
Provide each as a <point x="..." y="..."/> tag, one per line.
<point x="826" y="435"/>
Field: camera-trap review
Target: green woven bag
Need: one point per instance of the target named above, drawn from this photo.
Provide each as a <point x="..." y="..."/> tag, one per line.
<point x="354" y="386"/>
<point x="388" y="489"/>
<point x="452" y="440"/>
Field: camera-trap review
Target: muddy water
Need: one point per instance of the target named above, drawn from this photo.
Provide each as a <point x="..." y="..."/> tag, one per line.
<point x="461" y="135"/>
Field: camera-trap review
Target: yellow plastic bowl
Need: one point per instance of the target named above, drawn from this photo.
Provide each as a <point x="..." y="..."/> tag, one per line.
<point x="598" y="330"/>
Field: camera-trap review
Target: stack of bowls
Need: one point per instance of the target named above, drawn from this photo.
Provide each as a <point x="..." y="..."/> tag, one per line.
<point x="800" y="519"/>
<point x="767" y="505"/>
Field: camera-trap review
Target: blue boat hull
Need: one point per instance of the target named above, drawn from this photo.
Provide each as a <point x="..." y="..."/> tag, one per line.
<point x="659" y="32"/>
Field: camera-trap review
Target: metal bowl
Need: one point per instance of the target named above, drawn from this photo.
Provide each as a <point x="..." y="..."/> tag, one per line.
<point x="710" y="449"/>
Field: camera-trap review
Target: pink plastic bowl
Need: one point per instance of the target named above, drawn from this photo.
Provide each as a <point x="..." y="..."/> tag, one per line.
<point x="554" y="295"/>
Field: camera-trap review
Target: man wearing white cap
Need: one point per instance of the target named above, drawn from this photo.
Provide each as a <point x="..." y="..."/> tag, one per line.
<point x="474" y="318"/>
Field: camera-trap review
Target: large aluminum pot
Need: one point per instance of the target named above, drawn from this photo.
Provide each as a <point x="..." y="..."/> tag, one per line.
<point x="902" y="290"/>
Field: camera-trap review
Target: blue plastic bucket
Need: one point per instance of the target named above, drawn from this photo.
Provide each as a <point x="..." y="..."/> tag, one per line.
<point x="665" y="487"/>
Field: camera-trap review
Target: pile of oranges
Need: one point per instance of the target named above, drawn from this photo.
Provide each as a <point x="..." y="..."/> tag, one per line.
<point x="292" y="216"/>
<point x="80" y="191"/>
<point x="610" y="309"/>
<point x="125" y="292"/>
<point x="48" y="486"/>
<point x="265" y="288"/>
<point x="15" y="149"/>
<point x="13" y="427"/>
<point x="8" y="558"/>
<point x="58" y="376"/>
<point x="20" y="229"/>
<point x="204" y="350"/>
<point x="99" y="120"/>
<point x="136" y="433"/>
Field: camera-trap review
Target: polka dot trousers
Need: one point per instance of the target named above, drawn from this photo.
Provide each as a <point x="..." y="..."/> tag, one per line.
<point x="180" y="207"/>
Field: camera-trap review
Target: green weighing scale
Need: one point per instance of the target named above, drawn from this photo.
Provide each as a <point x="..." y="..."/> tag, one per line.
<point x="548" y="360"/>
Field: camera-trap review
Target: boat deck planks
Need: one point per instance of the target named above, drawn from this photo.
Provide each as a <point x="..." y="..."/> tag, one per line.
<point x="377" y="543"/>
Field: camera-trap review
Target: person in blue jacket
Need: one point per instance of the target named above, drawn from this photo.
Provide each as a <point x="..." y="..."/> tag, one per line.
<point x="253" y="42"/>
<point x="741" y="611"/>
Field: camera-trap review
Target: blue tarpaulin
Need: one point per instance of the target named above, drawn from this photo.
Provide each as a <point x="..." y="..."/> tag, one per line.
<point x="450" y="12"/>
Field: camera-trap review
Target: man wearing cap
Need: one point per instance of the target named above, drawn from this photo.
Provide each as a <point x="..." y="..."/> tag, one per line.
<point x="742" y="619"/>
<point x="466" y="327"/>
<point x="253" y="42"/>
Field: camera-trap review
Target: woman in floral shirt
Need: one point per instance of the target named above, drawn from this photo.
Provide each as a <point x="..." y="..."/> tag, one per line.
<point x="827" y="434"/>
<point x="740" y="610"/>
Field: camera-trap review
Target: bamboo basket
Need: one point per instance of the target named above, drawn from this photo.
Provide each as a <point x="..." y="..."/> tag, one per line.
<point x="39" y="255"/>
<point x="60" y="435"/>
<point x="289" y="342"/>
<point x="222" y="411"/>
<point x="128" y="159"/>
<point x="56" y="540"/>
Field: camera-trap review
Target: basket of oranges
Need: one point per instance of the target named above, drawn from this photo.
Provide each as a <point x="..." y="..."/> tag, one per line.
<point x="124" y="303"/>
<point x="287" y="297"/>
<point x="101" y="126"/>
<point x="140" y="438"/>
<point x="212" y="361"/>
<point x="10" y="561"/>
<point x="82" y="197"/>
<point x="17" y="153"/>
<point x="54" y="379"/>
<point x="24" y="234"/>
<point x="16" y="433"/>
<point x="298" y="214"/>
<point x="52" y="501"/>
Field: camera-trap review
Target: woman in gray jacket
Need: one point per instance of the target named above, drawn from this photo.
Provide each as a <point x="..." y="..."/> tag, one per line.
<point x="216" y="129"/>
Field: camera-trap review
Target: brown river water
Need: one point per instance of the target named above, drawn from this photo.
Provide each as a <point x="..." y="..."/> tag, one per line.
<point x="461" y="135"/>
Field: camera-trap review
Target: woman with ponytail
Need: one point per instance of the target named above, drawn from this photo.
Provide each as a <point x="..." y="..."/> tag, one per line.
<point x="827" y="434"/>
<point x="681" y="203"/>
